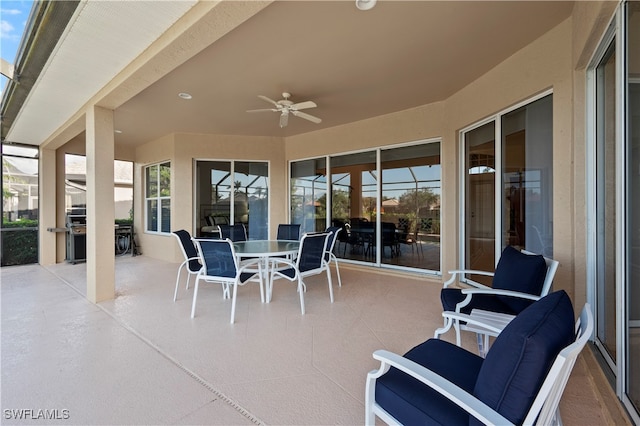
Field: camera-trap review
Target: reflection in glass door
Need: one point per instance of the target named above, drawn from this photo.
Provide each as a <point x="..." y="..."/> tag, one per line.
<point x="309" y="194"/>
<point x="353" y="204"/>
<point x="527" y="177"/>
<point x="480" y="172"/>
<point x="251" y="189"/>
<point x="410" y="206"/>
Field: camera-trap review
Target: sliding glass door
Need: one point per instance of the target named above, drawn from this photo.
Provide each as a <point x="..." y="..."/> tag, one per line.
<point x="387" y="203"/>
<point x="480" y="193"/>
<point x="410" y="206"/>
<point x="508" y="187"/>
<point x="633" y="196"/>
<point x="606" y="205"/>
<point x="309" y="194"/>
<point x="613" y="171"/>
<point x="232" y="192"/>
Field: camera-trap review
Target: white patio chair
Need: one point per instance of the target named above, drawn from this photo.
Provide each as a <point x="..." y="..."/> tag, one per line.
<point x="221" y="265"/>
<point x="520" y="381"/>
<point x="309" y="261"/>
<point x="191" y="261"/>
<point x="520" y="278"/>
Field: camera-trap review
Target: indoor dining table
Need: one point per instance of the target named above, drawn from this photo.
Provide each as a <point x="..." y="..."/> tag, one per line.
<point x="265" y="249"/>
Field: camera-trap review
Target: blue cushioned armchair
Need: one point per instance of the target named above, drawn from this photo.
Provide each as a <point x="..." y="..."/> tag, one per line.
<point x="520" y="381"/>
<point x="520" y="278"/>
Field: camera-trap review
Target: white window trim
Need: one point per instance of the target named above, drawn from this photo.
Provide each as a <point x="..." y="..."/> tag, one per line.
<point x="158" y="198"/>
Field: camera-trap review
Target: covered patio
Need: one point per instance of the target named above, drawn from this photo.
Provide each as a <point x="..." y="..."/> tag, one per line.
<point x="141" y="359"/>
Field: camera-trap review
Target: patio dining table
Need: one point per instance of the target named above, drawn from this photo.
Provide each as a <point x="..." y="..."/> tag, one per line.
<point x="264" y="250"/>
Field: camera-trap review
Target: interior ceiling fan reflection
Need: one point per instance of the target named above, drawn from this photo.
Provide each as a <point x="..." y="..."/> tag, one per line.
<point x="286" y="107"/>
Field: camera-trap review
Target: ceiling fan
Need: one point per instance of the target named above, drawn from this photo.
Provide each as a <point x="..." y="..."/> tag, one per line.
<point x="286" y="107"/>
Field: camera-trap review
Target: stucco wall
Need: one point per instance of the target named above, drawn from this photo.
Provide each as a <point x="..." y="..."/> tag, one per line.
<point x="544" y="64"/>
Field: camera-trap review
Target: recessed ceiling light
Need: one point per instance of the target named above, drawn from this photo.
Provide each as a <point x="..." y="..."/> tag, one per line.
<point x="185" y="95"/>
<point x="117" y="131"/>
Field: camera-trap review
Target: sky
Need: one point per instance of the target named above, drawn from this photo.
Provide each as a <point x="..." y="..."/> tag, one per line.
<point x="13" y="18"/>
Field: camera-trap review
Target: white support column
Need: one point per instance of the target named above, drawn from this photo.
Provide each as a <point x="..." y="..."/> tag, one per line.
<point x="47" y="207"/>
<point x="100" y="205"/>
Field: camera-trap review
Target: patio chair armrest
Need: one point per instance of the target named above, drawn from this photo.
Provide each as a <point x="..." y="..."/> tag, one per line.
<point x="470" y="320"/>
<point x="501" y="292"/>
<point x="184" y="262"/>
<point x="248" y="263"/>
<point x="454" y="273"/>
<point x="280" y="263"/>
<point x="455" y="394"/>
<point x="470" y="292"/>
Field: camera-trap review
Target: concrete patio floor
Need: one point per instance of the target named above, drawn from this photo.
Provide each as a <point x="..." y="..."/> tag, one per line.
<point x="141" y="359"/>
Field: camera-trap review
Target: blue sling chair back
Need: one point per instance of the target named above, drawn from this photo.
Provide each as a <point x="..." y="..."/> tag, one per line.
<point x="220" y="265"/>
<point x="309" y="261"/>
<point x="191" y="261"/>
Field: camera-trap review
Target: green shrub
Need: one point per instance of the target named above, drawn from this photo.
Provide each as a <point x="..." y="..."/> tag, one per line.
<point x="19" y="246"/>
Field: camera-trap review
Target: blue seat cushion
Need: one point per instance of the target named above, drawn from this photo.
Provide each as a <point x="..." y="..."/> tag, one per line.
<point x="522" y="354"/>
<point x="450" y="297"/>
<point x="411" y="402"/>
<point x="521" y="272"/>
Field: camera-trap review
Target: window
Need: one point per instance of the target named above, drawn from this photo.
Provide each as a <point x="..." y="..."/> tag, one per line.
<point x="158" y="198"/>
<point x="19" y="236"/>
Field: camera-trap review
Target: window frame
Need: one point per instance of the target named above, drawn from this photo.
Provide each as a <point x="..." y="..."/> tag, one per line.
<point x="158" y="198"/>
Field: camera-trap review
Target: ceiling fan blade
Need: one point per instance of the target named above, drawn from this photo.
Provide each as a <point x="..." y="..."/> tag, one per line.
<point x="307" y="116"/>
<point x="271" y="101"/>
<point x="304" y="105"/>
<point x="263" y="110"/>
<point x="284" y="119"/>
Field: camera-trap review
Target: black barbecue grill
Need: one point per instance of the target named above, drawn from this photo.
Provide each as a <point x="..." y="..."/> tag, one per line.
<point x="76" y="233"/>
<point x="76" y="225"/>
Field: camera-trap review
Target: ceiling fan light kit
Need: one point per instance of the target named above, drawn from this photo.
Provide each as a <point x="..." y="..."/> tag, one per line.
<point x="285" y="107"/>
<point x="365" y="4"/>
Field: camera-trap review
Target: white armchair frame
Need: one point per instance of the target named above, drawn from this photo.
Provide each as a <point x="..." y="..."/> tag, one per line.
<point x="486" y="324"/>
<point x="185" y="263"/>
<point x="544" y="410"/>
